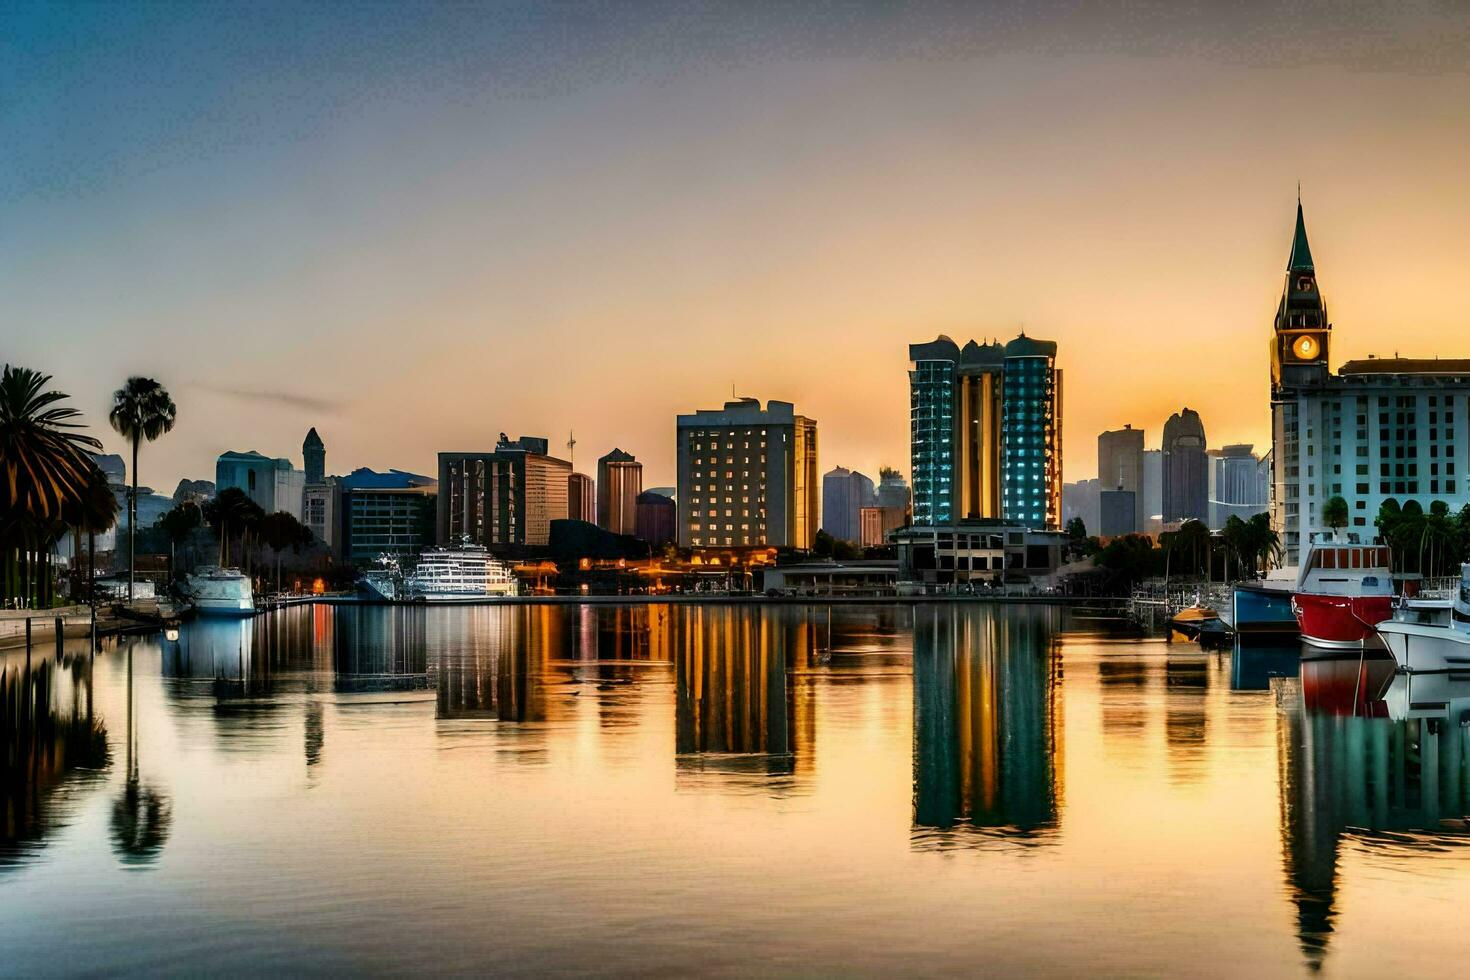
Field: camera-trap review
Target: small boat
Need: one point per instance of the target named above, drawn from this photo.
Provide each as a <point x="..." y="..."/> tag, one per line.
<point x="1421" y="647"/>
<point x="220" y="592"/>
<point x="1198" y="622"/>
<point x="1263" y="609"/>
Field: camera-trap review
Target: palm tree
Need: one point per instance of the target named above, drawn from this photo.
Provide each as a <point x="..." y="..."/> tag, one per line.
<point x="43" y="465"/>
<point x="94" y="512"/>
<point x="141" y="409"/>
<point x="232" y="509"/>
<point x="178" y="523"/>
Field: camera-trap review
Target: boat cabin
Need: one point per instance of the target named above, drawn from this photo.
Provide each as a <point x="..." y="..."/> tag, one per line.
<point x="1346" y="569"/>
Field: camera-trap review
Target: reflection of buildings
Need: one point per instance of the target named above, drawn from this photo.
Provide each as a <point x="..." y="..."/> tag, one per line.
<point x="1343" y="774"/>
<point x="732" y="691"/>
<point x="48" y="737"/>
<point x="987" y="720"/>
<point x="380" y="648"/>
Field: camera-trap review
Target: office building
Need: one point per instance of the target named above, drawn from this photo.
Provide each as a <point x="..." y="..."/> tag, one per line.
<point x="389" y="513"/>
<point x="1186" y="483"/>
<point x="619" y="482"/>
<point x="985" y="432"/>
<point x="874" y="523"/>
<point x="321" y="511"/>
<point x="747" y="476"/>
<point x="273" y="483"/>
<point x="1153" y="489"/>
<point x="1378" y="429"/>
<point x="1117" y="513"/>
<point x="1081" y="500"/>
<point x="893" y="490"/>
<point x="581" y="498"/>
<point x="658" y="519"/>
<point x="845" y="493"/>
<point x="502" y="499"/>
<point x="1238" y="484"/>
<point x="1120" y="467"/>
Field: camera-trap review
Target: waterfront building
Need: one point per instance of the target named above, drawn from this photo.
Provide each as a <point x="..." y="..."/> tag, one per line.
<point x="1378" y="429"/>
<point x="874" y="523"/>
<point x="273" y="483"/>
<point x="986" y="433"/>
<point x="389" y="513"/>
<point x="581" y="498"/>
<point x="314" y="456"/>
<point x="657" y="519"/>
<point x="1238" y="484"/>
<point x="1081" y="499"/>
<point x="1120" y="467"/>
<point x="1186" y="478"/>
<point x="619" y="482"/>
<point x="845" y="493"/>
<point x="747" y="476"/>
<point x="1117" y="513"/>
<point x="976" y="552"/>
<point x="502" y="499"/>
<point x="321" y="508"/>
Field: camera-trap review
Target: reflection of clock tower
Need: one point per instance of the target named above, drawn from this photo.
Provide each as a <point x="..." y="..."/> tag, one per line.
<point x="1299" y="345"/>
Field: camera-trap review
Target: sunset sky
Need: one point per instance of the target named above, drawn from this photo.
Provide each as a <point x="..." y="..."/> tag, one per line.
<point x="416" y="226"/>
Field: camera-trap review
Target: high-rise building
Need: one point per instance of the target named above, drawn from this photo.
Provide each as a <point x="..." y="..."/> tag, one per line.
<point x="1238" y="484"/>
<point x="619" y="482"/>
<point x="845" y="493"/>
<point x="389" y="513"/>
<point x="747" y="476"/>
<point x="581" y="498"/>
<point x="1120" y="467"/>
<point x="1153" y="489"/>
<point x="1117" y="512"/>
<point x="986" y="432"/>
<point x="502" y="499"/>
<point x="1081" y="499"/>
<point x="893" y="491"/>
<point x="1379" y="429"/>
<point x="1186" y="468"/>
<point x="273" y="483"/>
<point x="314" y="455"/>
<point x="658" y="519"/>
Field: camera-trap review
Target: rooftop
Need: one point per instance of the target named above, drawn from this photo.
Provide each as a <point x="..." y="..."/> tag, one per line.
<point x="1407" y="365"/>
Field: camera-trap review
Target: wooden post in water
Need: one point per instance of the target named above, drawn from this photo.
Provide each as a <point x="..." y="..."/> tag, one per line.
<point x="28" y="640"/>
<point x="60" y="637"/>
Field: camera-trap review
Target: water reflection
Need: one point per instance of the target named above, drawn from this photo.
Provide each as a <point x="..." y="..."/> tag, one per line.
<point x="1253" y="666"/>
<point x="51" y="747"/>
<point x="987" y="724"/>
<point x="1362" y="755"/>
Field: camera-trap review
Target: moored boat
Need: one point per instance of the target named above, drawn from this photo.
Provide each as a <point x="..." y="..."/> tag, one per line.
<point x="461" y="574"/>
<point x="1420" y="647"/>
<point x="1263" y="609"/>
<point x="220" y="592"/>
<point x="1343" y="592"/>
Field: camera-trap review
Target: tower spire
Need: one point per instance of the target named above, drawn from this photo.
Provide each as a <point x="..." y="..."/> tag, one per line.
<point x="1301" y="252"/>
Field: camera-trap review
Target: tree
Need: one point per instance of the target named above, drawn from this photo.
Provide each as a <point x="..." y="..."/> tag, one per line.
<point x="232" y="511"/>
<point x="280" y="531"/>
<point x="1335" y="513"/>
<point x="94" y="512"/>
<point x="1234" y="535"/>
<point x="178" y="523"/>
<point x="44" y="467"/>
<point x="1077" y="530"/>
<point x="141" y="410"/>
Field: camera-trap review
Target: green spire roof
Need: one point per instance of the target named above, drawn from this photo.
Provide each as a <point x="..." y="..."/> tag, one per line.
<point x="1301" y="252"/>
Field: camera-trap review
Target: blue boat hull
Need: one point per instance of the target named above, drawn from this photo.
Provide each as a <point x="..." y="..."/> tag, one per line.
<point x="1257" y="610"/>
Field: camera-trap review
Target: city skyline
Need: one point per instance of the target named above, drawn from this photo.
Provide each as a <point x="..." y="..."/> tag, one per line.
<point x="356" y="275"/>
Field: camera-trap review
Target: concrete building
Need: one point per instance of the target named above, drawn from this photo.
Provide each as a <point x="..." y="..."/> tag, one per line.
<point x="273" y="483"/>
<point x="1081" y="499"/>
<point x="1120" y="467"/>
<point x="845" y="493"/>
<point x="893" y="491"/>
<point x="1238" y="484"/>
<point x="1117" y="513"/>
<point x="502" y="499"/>
<point x="389" y="513"/>
<point x="747" y="476"/>
<point x="1153" y="489"/>
<point x="314" y="456"/>
<point x="581" y="498"/>
<point x="619" y="482"/>
<point x="658" y="519"/>
<point x="986" y="432"/>
<point x="876" y="522"/>
<point x="1186" y="469"/>
<point x="1378" y="429"/>
<point x="321" y="510"/>
<point x="988" y="552"/>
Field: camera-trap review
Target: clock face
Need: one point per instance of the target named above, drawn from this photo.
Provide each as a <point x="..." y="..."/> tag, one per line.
<point x="1305" y="348"/>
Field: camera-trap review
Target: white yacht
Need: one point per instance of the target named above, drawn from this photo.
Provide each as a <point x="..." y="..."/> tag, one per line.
<point x="462" y="573"/>
<point x="1425" y="647"/>
<point x="380" y="584"/>
<point x="220" y="592"/>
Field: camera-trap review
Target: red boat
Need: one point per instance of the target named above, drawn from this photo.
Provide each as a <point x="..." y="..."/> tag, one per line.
<point x="1343" y="592"/>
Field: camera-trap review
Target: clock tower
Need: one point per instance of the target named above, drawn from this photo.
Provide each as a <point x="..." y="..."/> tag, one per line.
<point x="1299" y="344"/>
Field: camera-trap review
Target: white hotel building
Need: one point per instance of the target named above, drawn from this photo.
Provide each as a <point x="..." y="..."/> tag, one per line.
<point x="1379" y="428"/>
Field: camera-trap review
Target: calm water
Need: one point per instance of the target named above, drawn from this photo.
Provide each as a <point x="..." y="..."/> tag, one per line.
<point x="723" y="789"/>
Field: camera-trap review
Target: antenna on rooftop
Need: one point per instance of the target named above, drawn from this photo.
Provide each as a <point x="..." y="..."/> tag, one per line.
<point x="571" y="448"/>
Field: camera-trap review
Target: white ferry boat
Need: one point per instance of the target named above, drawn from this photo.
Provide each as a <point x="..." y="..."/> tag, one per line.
<point x="220" y="592"/>
<point x="459" y="574"/>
